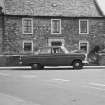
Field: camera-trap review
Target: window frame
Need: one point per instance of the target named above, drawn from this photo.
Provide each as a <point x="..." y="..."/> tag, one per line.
<point x="50" y="40"/>
<point x="87" y="26"/>
<point x="52" y="30"/>
<point x="28" y="41"/>
<point x="23" y="30"/>
<point x="83" y="41"/>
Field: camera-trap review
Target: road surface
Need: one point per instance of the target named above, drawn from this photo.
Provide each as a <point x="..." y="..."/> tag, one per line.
<point x="53" y="86"/>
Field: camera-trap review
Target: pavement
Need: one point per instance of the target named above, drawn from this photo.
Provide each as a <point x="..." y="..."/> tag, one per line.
<point x="64" y="67"/>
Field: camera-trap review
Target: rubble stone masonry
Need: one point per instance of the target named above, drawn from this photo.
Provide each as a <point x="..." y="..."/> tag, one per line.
<point x="13" y="37"/>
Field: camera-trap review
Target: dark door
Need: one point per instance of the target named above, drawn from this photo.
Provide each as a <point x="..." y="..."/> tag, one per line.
<point x="56" y="44"/>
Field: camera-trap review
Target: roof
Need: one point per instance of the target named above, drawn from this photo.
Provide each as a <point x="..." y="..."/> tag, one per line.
<point x="71" y="8"/>
<point x="1" y="3"/>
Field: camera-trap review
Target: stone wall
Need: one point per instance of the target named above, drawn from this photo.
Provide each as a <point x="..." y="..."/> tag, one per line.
<point x="14" y="37"/>
<point x="1" y="32"/>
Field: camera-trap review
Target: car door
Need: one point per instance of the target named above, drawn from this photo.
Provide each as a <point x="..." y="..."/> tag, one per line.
<point x="61" y="59"/>
<point x="47" y="58"/>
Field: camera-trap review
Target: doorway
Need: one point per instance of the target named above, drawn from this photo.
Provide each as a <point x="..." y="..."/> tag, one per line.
<point x="55" y="42"/>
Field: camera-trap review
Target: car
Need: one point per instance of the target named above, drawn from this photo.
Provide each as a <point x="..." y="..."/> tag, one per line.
<point x="53" y="56"/>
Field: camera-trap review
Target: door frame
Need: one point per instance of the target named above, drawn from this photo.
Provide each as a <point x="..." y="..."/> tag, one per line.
<point x="50" y="40"/>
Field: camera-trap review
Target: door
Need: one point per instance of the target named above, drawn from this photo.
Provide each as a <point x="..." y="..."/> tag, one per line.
<point x="56" y="43"/>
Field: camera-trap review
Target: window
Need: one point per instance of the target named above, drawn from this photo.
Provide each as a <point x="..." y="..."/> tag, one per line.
<point x="56" y="26"/>
<point x="45" y="51"/>
<point x="28" y="46"/>
<point x="56" y="41"/>
<point x="27" y="25"/>
<point x="83" y="27"/>
<point x="84" y="46"/>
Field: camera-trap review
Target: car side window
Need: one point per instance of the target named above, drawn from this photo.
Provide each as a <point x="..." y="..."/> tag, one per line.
<point x="45" y="51"/>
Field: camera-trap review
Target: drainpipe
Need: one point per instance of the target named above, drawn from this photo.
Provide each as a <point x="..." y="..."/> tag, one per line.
<point x="3" y="29"/>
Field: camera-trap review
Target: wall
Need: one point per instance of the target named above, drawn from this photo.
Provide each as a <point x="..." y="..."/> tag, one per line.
<point x="1" y="33"/>
<point x="13" y="37"/>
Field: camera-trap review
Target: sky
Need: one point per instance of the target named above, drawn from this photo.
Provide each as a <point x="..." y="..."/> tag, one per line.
<point x="101" y="4"/>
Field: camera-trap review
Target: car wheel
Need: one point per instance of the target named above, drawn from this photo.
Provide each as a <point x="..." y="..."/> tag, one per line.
<point x="77" y="64"/>
<point x="36" y="66"/>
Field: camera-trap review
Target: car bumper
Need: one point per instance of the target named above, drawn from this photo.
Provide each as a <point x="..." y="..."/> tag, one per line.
<point x="85" y="62"/>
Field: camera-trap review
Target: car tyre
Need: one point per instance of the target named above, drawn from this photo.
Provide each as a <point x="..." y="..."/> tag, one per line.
<point x="77" y="64"/>
<point x="36" y="66"/>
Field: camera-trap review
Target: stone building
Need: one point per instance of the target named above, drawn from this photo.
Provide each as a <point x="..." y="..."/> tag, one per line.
<point x="1" y="29"/>
<point x="30" y="24"/>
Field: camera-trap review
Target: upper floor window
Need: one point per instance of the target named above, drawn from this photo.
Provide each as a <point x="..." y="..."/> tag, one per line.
<point x="83" y="27"/>
<point x="27" y="25"/>
<point x="55" y="26"/>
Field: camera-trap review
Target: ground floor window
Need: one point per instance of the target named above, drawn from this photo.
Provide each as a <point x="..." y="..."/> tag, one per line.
<point x="84" y="46"/>
<point x="27" y="46"/>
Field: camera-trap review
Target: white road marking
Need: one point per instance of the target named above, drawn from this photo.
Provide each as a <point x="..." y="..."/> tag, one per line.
<point x="4" y="74"/>
<point x="97" y="84"/>
<point x="97" y="88"/>
<point x="58" y="79"/>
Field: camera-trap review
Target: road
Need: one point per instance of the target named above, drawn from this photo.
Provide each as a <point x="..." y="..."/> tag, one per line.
<point x="53" y="86"/>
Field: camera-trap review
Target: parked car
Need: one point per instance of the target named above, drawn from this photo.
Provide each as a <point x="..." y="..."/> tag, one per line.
<point x="53" y="56"/>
